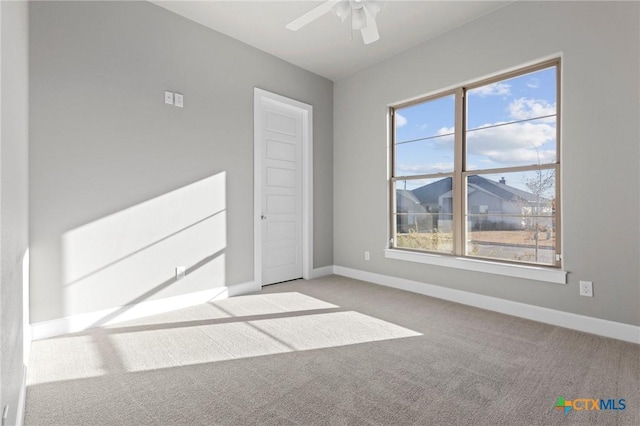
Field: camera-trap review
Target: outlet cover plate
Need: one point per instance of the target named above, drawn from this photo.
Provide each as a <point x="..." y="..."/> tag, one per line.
<point x="586" y="288"/>
<point x="181" y="272"/>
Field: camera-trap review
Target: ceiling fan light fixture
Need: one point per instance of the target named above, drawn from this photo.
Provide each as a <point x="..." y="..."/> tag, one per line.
<point x="362" y="13"/>
<point x="342" y="10"/>
<point x="357" y="4"/>
<point x="373" y="6"/>
<point x="358" y="19"/>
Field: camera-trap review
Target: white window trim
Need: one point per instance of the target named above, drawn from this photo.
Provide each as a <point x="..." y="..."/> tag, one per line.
<point x="460" y="260"/>
<point x="531" y="272"/>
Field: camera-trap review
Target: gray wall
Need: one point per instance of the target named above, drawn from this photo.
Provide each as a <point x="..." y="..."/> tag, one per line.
<point x="124" y="188"/>
<point x="599" y="42"/>
<point x="13" y="198"/>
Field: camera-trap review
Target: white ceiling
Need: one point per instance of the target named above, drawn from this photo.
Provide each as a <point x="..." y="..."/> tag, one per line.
<point x="326" y="46"/>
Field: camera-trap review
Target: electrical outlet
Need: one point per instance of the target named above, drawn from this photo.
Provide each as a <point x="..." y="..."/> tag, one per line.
<point x="181" y="272"/>
<point x="366" y="255"/>
<point x="586" y="288"/>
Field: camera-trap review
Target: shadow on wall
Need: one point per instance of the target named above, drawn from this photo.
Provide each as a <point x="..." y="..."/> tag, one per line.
<point x="131" y="256"/>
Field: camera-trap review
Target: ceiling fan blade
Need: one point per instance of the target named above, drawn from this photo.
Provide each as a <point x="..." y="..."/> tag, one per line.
<point x="370" y="32"/>
<point x="312" y="15"/>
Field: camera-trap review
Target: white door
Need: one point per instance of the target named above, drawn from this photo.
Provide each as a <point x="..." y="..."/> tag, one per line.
<point x="280" y="137"/>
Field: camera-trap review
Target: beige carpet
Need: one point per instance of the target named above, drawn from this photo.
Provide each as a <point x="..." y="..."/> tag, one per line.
<point x="330" y="351"/>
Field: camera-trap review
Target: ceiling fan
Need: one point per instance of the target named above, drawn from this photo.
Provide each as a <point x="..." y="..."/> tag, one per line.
<point x="363" y="16"/>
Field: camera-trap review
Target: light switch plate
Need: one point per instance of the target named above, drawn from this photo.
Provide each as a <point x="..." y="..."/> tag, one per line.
<point x="179" y="100"/>
<point x="168" y="97"/>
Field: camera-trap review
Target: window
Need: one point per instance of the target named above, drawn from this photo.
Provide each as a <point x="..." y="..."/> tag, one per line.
<point x="475" y="170"/>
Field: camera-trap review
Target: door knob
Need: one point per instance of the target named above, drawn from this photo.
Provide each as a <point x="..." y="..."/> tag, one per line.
<point x="263" y="217"/>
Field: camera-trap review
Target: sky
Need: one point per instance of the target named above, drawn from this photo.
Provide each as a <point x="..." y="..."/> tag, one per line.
<point x="509" y="123"/>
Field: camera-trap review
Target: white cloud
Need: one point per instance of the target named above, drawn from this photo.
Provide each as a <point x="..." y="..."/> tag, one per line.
<point x="518" y="143"/>
<point x="494" y="89"/>
<point x="523" y="108"/>
<point x="533" y="83"/>
<point x="511" y="144"/>
<point x="511" y="136"/>
<point x="400" y="120"/>
<point x="423" y="169"/>
<point x="521" y="156"/>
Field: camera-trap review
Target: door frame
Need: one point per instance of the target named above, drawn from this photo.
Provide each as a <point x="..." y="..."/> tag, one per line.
<point x="260" y="95"/>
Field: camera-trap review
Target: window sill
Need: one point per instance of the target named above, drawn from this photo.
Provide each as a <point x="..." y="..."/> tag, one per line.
<point x="537" y="273"/>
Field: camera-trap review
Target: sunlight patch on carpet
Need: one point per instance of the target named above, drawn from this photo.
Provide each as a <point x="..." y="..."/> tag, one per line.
<point x="265" y="304"/>
<point x="67" y="358"/>
<point x="154" y="349"/>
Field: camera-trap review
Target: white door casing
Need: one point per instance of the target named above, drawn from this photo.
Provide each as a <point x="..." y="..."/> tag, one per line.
<point x="282" y="188"/>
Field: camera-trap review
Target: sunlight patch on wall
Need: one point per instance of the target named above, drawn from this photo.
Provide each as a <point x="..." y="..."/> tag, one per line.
<point x="130" y="256"/>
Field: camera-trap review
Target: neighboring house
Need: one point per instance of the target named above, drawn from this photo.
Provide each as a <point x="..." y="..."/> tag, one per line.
<point x="431" y="196"/>
<point x="410" y="211"/>
<point x="491" y="206"/>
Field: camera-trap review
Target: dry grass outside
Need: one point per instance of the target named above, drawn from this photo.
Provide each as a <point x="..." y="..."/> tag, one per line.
<point x="443" y="242"/>
<point x="430" y="241"/>
<point x="513" y="238"/>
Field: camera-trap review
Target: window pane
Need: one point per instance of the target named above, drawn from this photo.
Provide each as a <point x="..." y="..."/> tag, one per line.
<point x="524" y="245"/>
<point x="512" y="122"/>
<point x="512" y="216"/>
<point x="531" y="95"/>
<point x="425" y="157"/>
<point x="423" y="214"/>
<point x="424" y="140"/>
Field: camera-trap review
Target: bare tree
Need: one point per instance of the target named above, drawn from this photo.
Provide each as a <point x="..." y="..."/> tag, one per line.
<point x="539" y="185"/>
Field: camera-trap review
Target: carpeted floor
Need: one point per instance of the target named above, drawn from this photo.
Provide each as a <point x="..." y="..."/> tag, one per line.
<point x="330" y="351"/>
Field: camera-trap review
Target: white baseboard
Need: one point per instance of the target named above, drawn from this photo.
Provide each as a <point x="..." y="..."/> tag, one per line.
<point x="81" y="322"/>
<point x="22" y="398"/>
<point x="236" y="290"/>
<point x="612" y="329"/>
<point x="322" y="272"/>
